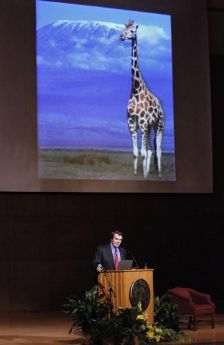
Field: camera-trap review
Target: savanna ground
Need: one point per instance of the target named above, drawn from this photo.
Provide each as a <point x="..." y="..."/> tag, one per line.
<point x="100" y="165"/>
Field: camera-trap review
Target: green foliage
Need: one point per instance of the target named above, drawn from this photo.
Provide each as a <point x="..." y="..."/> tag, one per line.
<point x="170" y="334"/>
<point x="130" y="323"/>
<point x="94" y="315"/>
<point x="165" y="313"/>
<point x="86" y="311"/>
<point x="156" y="334"/>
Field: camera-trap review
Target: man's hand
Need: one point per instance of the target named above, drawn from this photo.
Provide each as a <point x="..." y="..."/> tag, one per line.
<point x="99" y="268"/>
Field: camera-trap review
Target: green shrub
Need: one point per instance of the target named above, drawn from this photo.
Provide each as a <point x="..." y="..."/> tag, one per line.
<point x="95" y="316"/>
<point x="165" y="313"/>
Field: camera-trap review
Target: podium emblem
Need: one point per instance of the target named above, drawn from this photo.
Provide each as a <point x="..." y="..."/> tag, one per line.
<point x="139" y="292"/>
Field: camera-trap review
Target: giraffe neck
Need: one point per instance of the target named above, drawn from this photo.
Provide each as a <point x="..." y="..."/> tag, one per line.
<point x="137" y="82"/>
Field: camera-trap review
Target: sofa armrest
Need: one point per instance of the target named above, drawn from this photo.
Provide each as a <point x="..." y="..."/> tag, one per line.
<point x="200" y="297"/>
<point x="181" y="293"/>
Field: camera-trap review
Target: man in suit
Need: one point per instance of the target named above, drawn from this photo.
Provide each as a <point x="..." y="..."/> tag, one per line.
<point x="108" y="256"/>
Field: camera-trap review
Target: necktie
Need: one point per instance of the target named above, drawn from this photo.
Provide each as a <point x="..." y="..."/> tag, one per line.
<point x="116" y="259"/>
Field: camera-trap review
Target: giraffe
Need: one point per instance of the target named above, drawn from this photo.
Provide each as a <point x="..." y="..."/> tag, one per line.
<point x="144" y="110"/>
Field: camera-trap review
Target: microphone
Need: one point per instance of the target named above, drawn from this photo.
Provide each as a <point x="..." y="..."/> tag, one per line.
<point x="132" y="256"/>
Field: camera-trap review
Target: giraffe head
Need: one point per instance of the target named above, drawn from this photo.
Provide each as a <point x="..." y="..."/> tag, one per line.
<point x="130" y="31"/>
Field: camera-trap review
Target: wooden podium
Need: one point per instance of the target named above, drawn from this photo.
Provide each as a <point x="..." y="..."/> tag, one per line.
<point x="128" y="286"/>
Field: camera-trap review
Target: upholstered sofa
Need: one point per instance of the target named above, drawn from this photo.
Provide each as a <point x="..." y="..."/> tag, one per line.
<point x="193" y="304"/>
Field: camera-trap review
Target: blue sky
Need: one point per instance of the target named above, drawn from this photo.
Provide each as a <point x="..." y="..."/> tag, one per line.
<point x="48" y="12"/>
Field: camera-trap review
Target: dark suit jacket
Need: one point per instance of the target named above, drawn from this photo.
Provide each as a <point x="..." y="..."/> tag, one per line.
<point x="104" y="257"/>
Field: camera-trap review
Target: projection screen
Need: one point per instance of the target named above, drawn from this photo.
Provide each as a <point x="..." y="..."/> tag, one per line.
<point x="101" y="96"/>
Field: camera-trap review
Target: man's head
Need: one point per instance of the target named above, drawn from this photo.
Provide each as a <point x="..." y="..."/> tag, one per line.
<point x="116" y="238"/>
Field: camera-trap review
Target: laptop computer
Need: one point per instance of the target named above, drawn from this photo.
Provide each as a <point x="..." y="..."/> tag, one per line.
<point x="125" y="265"/>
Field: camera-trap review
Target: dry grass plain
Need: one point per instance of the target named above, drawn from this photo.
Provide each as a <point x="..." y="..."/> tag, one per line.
<point x="99" y="165"/>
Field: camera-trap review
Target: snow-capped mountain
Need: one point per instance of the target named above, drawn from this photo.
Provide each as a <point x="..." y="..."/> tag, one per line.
<point x="96" y="45"/>
<point x="79" y="44"/>
<point x="92" y="28"/>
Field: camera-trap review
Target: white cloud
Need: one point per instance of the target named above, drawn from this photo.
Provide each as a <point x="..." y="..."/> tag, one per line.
<point x="42" y="61"/>
<point x="108" y="41"/>
<point x="80" y="60"/>
<point x="78" y="42"/>
<point x="152" y="34"/>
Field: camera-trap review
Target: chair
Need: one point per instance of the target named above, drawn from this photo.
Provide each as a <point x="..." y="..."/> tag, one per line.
<point x="192" y="304"/>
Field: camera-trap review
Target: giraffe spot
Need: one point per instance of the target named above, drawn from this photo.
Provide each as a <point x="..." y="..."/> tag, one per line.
<point x="150" y="109"/>
<point x="141" y="122"/>
<point x="155" y="110"/>
<point x="142" y="96"/>
<point x="150" y="102"/>
<point x="154" y="103"/>
<point x="136" y="84"/>
<point x="154" y="116"/>
<point x="131" y="104"/>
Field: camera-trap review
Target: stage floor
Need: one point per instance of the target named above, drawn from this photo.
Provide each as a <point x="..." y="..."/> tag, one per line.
<point x="52" y="329"/>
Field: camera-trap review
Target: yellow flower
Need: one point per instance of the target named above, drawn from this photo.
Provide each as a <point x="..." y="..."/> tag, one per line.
<point x="157" y="338"/>
<point x="150" y="334"/>
<point x="140" y="317"/>
<point x="159" y="330"/>
<point x="154" y="333"/>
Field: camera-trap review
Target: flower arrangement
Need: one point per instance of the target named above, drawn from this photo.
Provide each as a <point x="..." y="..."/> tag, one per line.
<point x="95" y="317"/>
<point x="154" y="334"/>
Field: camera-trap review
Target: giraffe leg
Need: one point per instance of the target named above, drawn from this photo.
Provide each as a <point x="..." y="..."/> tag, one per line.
<point x="159" y="151"/>
<point x="148" y="165"/>
<point x="145" y="166"/>
<point x="135" y="164"/>
<point x="144" y="152"/>
<point x="135" y="151"/>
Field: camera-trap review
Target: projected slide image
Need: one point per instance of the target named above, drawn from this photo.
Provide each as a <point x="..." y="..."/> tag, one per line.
<point x="104" y="93"/>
